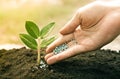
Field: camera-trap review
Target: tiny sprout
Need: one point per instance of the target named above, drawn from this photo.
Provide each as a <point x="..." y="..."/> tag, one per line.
<point x="37" y="38"/>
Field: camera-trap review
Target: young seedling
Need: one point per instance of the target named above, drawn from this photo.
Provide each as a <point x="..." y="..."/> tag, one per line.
<point x="37" y="38"/>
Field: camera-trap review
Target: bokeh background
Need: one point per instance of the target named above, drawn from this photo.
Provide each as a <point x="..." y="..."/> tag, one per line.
<point x="14" y="13"/>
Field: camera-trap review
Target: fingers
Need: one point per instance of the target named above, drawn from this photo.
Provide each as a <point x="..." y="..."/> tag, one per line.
<point x="51" y="59"/>
<point x="71" y="25"/>
<point x="48" y="56"/>
<point x="59" y="41"/>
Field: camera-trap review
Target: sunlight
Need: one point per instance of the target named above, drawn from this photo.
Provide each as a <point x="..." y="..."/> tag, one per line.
<point x="5" y="4"/>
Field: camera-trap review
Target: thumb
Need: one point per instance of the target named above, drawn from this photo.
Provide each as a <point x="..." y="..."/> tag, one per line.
<point x="71" y="25"/>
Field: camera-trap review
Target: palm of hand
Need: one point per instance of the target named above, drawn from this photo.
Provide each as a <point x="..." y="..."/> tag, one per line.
<point x="97" y="28"/>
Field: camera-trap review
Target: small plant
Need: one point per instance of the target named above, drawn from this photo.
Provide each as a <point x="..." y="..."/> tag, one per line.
<point x="37" y="38"/>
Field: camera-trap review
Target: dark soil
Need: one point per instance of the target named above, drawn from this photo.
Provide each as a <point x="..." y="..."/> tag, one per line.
<point x="99" y="64"/>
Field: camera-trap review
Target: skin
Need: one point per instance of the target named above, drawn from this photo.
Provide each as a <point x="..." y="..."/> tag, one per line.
<point x="92" y="26"/>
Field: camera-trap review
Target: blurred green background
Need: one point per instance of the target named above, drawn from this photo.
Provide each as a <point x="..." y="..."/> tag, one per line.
<point x="14" y="13"/>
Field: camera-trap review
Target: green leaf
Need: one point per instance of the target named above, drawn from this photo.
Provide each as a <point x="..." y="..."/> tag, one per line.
<point x="32" y="29"/>
<point x="45" y="30"/>
<point x="46" y="42"/>
<point x="28" y="41"/>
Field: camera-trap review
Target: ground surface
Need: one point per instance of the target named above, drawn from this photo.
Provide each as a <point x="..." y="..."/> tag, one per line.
<point x="99" y="64"/>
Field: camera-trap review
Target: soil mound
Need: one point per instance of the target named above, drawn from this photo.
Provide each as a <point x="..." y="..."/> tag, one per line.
<point x="99" y="64"/>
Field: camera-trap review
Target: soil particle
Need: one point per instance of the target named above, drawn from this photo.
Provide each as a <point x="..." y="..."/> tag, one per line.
<point x="99" y="64"/>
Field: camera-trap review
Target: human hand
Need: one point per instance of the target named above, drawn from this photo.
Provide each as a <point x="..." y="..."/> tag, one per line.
<point x="93" y="26"/>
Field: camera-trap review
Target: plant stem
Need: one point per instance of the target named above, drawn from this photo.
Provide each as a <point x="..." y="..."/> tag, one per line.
<point x="38" y="51"/>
